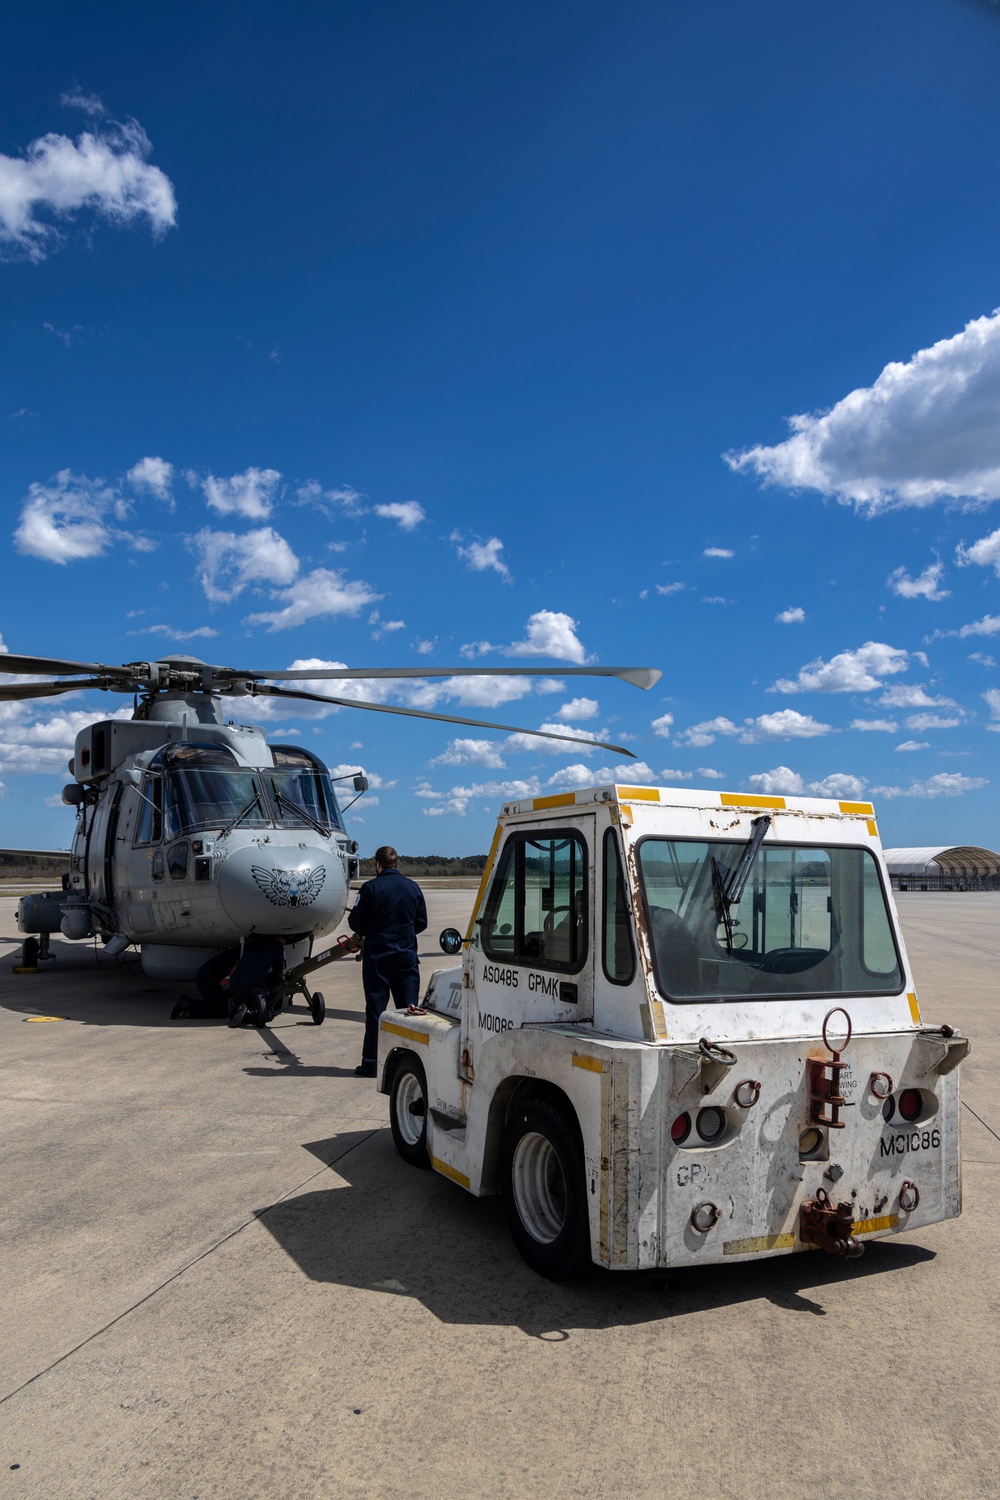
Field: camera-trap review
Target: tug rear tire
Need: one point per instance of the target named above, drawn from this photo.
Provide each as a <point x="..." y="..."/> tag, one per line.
<point x="544" y="1191"/>
<point x="408" y="1111"/>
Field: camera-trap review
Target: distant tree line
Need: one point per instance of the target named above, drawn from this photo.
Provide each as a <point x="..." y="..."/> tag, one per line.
<point x="417" y="865"/>
<point x="32" y="867"/>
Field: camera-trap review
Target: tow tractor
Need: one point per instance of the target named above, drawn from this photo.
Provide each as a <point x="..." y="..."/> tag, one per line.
<point x="684" y="1030"/>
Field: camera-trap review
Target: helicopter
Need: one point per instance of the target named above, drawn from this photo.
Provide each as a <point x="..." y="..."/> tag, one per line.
<point x="192" y="830"/>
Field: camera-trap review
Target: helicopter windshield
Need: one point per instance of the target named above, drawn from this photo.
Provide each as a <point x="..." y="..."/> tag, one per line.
<point x="302" y="797"/>
<point x="208" y="797"/>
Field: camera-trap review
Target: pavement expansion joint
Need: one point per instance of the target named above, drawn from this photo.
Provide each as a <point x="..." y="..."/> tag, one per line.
<point x="254" y="1218"/>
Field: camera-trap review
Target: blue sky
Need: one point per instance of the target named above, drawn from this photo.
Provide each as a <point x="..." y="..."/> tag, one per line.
<point x="394" y="334"/>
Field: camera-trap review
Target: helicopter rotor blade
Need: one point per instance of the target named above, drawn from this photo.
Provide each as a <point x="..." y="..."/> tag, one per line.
<point x="419" y="713"/>
<point x="640" y="677"/>
<point x="11" y="692"/>
<point x="26" y="664"/>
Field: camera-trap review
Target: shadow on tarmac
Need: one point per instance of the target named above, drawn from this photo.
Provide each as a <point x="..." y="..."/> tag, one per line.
<point x="98" y="991"/>
<point x="410" y="1233"/>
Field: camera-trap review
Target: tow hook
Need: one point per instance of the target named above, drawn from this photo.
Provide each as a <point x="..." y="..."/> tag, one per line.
<point x="825" y="1099"/>
<point x="828" y="1228"/>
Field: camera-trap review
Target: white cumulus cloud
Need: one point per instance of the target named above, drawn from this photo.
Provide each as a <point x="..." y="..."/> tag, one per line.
<point x="985" y="553"/>
<point x="794" y="616"/>
<point x="250" y="494"/>
<point x="407" y="513"/>
<point x="923" y="722"/>
<point x="707" y="731"/>
<point x="718" y="552"/>
<point x="482" y="557"/>
<point x="471" y="753"/>
<point x="66" y="520"/>
<point x="324" y="591"/>
<point x="913" y="745"/>
<point x="786" y="724"/>
<point x="778" y="782"/>
<point x="858" y="671"/>
<point x="926" y="585"/>
<point x="783" y="781"/>
<point x="926" y="430"/>
<point x="228" y="561"/>
<point x="548" y="633"/>
<point x="105" y="170"/>
<point x="838" y="785"/>
<point x="944" y="784"/>
<point x="913" y="695"/>
<point x="661" y="726"/>
<point x="882" y="726"/>
<point x="153" y="476"/>
<point x="577" y="709"/>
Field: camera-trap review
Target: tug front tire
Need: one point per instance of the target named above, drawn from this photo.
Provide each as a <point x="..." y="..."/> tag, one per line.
<point x="408" y="1112"/>
<point x="544" y="1191"/>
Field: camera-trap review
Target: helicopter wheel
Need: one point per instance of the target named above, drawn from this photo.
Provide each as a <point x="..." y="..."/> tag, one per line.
<point x="318" y="1007"/>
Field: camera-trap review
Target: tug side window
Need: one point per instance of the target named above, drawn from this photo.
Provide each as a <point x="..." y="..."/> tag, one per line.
<point x="618" y="954"/>
<point x="537" y="907"/>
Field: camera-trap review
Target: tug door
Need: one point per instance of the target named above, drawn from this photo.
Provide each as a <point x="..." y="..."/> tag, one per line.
<point x="531" y="958"/>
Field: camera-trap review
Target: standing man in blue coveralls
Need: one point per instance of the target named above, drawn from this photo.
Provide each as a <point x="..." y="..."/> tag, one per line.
<point x="388" y="914"/>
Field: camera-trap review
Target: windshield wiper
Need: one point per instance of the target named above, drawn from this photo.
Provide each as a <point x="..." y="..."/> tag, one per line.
<point x="728" y="885"/>
<point x="247" y="807"/>
<point x="295" y="808"/>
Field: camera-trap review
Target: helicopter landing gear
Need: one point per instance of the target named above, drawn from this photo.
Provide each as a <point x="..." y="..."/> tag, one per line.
<point x="29" y="957"/>
<point x="318" y="1007"/>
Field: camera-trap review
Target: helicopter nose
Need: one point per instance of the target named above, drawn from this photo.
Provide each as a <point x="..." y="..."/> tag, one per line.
<point x="277" y="889"/>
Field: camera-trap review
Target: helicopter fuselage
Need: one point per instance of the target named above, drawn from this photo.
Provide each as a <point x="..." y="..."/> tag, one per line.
<point x="192" y="834"/>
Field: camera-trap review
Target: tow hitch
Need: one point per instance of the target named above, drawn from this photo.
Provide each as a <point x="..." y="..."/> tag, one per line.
<point x="828" y="1228"/>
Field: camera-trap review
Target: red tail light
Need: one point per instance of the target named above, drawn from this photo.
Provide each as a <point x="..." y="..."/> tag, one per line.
<point x="910" y="1104"/>
<point x="680" y="1129"/>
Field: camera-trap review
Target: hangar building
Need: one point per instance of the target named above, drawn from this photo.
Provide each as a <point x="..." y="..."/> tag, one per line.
<point x="966" y="867"/>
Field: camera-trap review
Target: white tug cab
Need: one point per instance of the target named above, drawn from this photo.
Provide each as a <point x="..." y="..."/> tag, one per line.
<point x="684" y="1030"/>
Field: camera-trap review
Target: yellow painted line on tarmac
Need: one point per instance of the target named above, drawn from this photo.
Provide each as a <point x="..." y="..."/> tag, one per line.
<point x="451" y="1172"/>
<point x="407" y="1032"/>
<point x="759" y="1243"/>
<point x="45" y="1018"/>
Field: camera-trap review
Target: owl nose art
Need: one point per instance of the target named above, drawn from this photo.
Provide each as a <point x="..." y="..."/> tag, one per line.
<point x="274" y="889"/>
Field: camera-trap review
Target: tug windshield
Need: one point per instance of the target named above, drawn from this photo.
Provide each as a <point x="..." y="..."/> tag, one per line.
<point x="810" y="921"/>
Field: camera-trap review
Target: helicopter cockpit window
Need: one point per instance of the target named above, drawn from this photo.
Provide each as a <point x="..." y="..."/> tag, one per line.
<point x="302" y="797"/>
<point x="301" y="789"/>
<point x="149" y="829"/>
<point x="204" y="797"/>
<point x="207" y="787"/>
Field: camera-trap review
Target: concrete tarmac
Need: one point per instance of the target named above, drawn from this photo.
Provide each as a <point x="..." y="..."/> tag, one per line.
<point x="219" y="1280"/>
